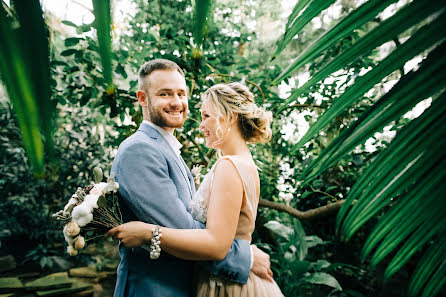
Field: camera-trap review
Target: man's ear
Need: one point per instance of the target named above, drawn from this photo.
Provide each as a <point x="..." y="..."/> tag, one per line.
<point x="142" y="98"/>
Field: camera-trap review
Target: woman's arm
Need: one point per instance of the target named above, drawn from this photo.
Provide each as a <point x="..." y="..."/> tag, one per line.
<point x="212" y="243"/>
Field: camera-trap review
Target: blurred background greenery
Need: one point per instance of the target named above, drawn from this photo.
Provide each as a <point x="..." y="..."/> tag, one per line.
<point x="357" y="92"/>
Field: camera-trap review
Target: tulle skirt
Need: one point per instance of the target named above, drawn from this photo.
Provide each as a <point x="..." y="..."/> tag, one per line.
<point x="210" y="286"/>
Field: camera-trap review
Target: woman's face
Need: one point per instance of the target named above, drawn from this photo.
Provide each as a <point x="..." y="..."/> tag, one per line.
<point x="209" y="126"/>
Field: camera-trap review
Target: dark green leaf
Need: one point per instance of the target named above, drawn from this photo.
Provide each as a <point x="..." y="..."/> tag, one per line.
<point x="423" y="39"/>
<point x="345" y="27"/>
<point x="280" y="229"/>
<point x="68" y="52"/>
<point x="68" y="23"/>
<point x="102" y="24"/>
<point x="72" y="41"/>
<point x="389" y="29"/>
<point x="322" y="278"/>
<point x="313" y="9"/>
<point x="201" y="10"/>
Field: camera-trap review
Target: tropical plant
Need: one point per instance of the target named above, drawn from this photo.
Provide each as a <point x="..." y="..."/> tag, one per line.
<point x="406" y="182"/>
<point x="25" y="71"/>
<point x="296" y="271"/>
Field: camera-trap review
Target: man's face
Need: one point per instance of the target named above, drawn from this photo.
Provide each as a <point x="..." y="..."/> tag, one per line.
<point x="167" y="102"/>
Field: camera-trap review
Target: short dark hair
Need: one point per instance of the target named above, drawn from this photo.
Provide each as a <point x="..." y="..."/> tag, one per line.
<point x="156" y="64"/>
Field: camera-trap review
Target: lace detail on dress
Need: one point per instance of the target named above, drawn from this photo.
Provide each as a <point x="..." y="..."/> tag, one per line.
<point x="199" y="210"/>
<point x="199" y="205"/>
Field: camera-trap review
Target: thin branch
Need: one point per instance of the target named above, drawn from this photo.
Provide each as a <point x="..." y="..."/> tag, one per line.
<point x="325" y="193"/>
<point x="200" y="151"/>
<point x="303" y="215"/>
<point x="247" y="80"/>
<point x="303" y="106"/>
<point x="83" y="6"/>
<point x="192" y="88"/>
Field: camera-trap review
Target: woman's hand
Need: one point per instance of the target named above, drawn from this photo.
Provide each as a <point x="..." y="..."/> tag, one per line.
<point x="132" y="234"/>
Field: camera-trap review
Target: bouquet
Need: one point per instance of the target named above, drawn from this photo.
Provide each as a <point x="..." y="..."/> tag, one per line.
<point x="90" y="212"/>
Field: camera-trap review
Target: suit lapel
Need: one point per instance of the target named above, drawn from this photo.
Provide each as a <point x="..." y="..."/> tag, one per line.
<point x="151" y="132"/>
<point x="190" y="177"/>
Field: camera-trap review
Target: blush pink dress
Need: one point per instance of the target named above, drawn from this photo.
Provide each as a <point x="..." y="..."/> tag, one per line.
<point x="210" y="285"/>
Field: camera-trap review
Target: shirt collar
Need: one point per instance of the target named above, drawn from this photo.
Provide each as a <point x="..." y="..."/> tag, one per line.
<point x="173" y="142"/>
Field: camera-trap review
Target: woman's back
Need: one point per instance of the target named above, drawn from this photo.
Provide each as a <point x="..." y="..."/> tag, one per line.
<point x="251" y="188"/>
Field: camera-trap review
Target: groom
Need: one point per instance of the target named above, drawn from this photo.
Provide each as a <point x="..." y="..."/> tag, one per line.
<point x="156" y="187"/>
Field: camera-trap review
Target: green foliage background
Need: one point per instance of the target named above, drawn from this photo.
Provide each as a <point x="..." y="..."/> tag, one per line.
<point x="96" y="111"/>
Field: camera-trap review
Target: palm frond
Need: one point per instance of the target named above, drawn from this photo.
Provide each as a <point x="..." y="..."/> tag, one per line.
<point x="431" y="264"/>
<point x="420" y="41"/>
<point x="407" y="158"/>
<point x="400" y="99"/>
<point x="343" y="28"/>
<point x="406" y="182"/>
<point x="296" y="24"/>
<point x="102" y="23"/>
<point x="201" y="10"/>
<point x="25" y="72"/>
<point x="412" y="14"/>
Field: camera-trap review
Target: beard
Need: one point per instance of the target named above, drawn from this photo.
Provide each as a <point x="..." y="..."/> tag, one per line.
<point x="161" y="119"/>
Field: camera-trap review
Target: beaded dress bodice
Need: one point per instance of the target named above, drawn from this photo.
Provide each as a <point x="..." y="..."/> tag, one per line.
<point x="200" y="202"/>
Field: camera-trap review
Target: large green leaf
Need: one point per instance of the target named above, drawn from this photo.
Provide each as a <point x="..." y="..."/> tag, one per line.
<point x="432" y="262"/>
<point x="400" y="99"/>
<point x="413" y="168"/>
<point x="413" y="151"/>
<point x="407" y="207"/>
<point x="322" y="278"/>
<point x="301" y="4"/>
<point x="410" y="15"/>
<point x="422" y="40"/>
<point x="102" y="24"/>
<point x="201" y="10"/>
<point x="280" y="229"/>
<point x="312" y="10"/>
<point x="406" y="182"/>
<point x="437" y="281"/>
<point x="343" y="28"/>
<point x="25" y="72"/>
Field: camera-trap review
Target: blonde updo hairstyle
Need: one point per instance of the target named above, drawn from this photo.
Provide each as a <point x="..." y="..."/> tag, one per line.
<point x="225" y="101"/>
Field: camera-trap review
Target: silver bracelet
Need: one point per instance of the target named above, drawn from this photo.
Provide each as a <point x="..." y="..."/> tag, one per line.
<point x="155" y="248"/>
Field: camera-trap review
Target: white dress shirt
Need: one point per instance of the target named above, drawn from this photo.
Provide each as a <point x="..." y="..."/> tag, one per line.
<point x="173" y="142"/>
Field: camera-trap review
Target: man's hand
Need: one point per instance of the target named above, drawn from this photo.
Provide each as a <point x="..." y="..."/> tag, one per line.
<point x="261" y="266"/>
<point x="131" y="234"/>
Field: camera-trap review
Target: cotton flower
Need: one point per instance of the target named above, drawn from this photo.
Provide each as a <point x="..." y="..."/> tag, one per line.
<point x="73" y="229"/>
<point x="68" y="238"/>
<point x="98" y="188"/>
<point x="196" y="173"/>
<point x="82" y="214"/>
<point x="84" y="220"/>
<point x="72" y="251"/>
<point x="91" y="201"/>
<point x="78" y="213"/>
<point x="71" y="203"/>
<point x="79" y="243"/>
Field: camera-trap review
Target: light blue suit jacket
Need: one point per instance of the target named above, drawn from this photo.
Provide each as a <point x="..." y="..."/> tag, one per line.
<point x="154" y="189"/>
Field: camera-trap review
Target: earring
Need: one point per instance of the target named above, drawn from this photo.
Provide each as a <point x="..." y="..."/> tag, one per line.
<point x="229" y="129"/>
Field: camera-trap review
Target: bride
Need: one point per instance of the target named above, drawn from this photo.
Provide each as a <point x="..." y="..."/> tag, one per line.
<point x="226" y="200"/>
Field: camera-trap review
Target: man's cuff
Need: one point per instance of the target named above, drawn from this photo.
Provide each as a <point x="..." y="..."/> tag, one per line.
<point x="252" y="258"/>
